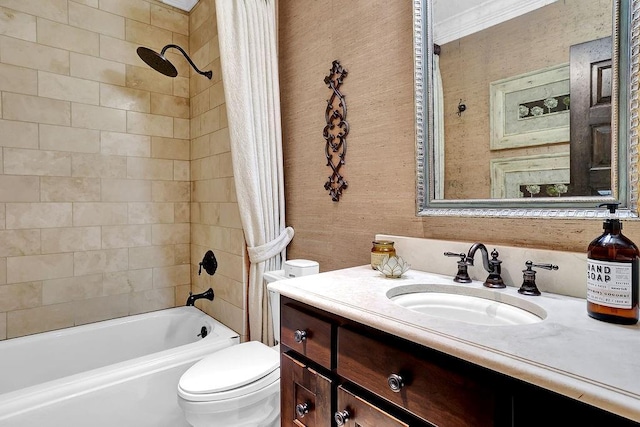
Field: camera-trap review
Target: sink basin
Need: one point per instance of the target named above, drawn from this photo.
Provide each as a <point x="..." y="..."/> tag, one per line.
<point x="469" y="305"/>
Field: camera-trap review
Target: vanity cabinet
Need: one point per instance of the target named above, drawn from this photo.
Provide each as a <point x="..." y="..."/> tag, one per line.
<point x="337" y="372"/>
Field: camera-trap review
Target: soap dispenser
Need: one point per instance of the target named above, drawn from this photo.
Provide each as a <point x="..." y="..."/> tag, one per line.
<point x="612" y="274"/>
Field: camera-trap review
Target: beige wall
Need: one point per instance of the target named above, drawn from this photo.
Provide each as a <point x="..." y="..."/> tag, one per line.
<point x="373" y="40"/>
<point x="215" y="219"/>
<point x="95" y="164"/>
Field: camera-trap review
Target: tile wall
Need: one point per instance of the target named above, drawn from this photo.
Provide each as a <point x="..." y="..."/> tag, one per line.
<point x="96" y="165"/>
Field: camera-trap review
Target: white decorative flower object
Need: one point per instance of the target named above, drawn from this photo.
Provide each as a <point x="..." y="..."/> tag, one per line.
<point x="393" y="267"/>
<point x="537" y="111"/>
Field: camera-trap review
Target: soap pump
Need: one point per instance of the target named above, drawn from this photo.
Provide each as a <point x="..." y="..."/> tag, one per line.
<point x="612" y="274"/>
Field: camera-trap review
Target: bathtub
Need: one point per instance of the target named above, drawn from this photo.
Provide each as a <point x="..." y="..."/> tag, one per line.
<point x="116" y="373"/>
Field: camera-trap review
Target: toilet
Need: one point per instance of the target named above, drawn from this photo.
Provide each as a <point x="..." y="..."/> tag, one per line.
<point x="237" y="386"/>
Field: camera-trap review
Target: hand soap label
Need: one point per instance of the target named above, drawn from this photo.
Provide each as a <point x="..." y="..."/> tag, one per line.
<point x="610" y="283"/>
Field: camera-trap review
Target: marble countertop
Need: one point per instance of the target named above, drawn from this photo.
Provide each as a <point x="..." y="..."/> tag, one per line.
<point x="568" y="352"/>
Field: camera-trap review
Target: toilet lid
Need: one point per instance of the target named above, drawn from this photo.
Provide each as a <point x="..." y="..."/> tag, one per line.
<point x="230" y="368"/>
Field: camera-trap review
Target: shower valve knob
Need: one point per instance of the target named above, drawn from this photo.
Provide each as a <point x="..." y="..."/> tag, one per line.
<point x="300" y="335"/>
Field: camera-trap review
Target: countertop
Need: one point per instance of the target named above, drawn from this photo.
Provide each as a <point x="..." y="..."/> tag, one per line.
<point x="568" y="352"/>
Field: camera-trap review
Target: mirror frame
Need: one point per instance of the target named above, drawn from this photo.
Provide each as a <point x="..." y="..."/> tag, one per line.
<point x="625" y="106"/>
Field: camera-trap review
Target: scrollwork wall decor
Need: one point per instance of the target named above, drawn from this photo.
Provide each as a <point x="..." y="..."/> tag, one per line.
<point x="335" y="132"/>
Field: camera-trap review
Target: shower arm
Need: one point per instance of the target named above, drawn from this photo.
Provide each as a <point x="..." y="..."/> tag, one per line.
<point x="207" y="74"/>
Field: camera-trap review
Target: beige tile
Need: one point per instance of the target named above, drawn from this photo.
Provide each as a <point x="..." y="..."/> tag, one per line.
<point x="92" y="3"/>
<point x="149" y="124"/>
<point x="225" y="166"/>
<point x="174" y="191"/>
<point x="166" y="105"/>
<point x="55" y="10"/>
<point x="123" y="144"/>
<point x="138" y="10"/>
<point x="169" y="148"/>
<point x="63" y="189"/>
<point x="151" y="256"/>
<point x="200" y="147"/>
<point x="68" y="37"/>
<point x="38" y="215"/>
<point x="199" y="14"/>
<point x="3" y="326"/>
<point x="181" y="128"/>
<point x="204" y="168"/>
<point x="3" y="271"/>
<point x="181" y="40"/>
<point x="126" y="190"/>
<point x="71" y="289"/>
<point x="100" y="118"/>
<point x="170" y="19"/>
<point x="183" y="254"/>
<point x="34" y="109"/>
<point x="147" y="35"/>
<point x="218" y="190"/>
<point x="182" y="293"/>
<point x="164" y="277"/>
<point x="86" y="214"/>
<point x="182" y="212"/>
<point x="144" y="78"/>
<point x="156" y="299"/>
<point x="38" y="319"/>
<point x="99" y="309"/>
<point x="18" y="161"/>
<point x="202" y="35"/>
<point x="96" y="20"/>
<point x="216" y="95"/>
<point x="64" y="138"/>
<point x="18" y="134"/>
<point x="70" y="239"/>
<point x="181" y="170"/>
<point x="220" y="141"/>
<point x="18" y="25"/>
<point x="200" y="103"/>
<point x="19" y="188"/>
<point x="230" y="215"/>
<point x="228" y="314"/>
<point x="97" y="69"/>
<point x="122" y="282"/>
<point x="145" y="168"/>
<point x="170" y="234"/>
<point x="33" y="55"/>
<point x="67" y="88"/>
<point x="103" y="261"/>
<point x="124" y="98"/>
<point x="39" y="267"/>
<point x="211" y="121"/>
<point x="150" y="213"/>
<point x="230" y="265"/>
<point x="125" y="236"/>
<point x="19" y="243"/>
<point x="229" y="290"/>
<point x="18" y="79"/>
<point x="98" y="166"/>
<point x="119" y="50"/>
<point x="2" y="215"/>
<point x="181" y="87"/>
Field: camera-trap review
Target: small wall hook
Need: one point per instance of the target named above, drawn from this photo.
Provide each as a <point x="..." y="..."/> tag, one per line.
<point x="461" y="107"/>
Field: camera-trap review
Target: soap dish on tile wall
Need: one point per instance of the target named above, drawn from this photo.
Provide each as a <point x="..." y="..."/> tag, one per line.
<point x="393" y="267"/>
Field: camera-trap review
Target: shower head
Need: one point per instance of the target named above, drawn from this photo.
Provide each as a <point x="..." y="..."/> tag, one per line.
<point x="158" y="62"/>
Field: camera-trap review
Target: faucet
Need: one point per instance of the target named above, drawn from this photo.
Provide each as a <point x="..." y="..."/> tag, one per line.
<point x="494" y="280"/>
<point x="208" y="294"/>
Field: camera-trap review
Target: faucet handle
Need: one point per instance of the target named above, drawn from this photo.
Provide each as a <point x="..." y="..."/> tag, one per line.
<point x="462" y="276"/>
<point x="494" y="280"/>
<point x="529" y="277"/>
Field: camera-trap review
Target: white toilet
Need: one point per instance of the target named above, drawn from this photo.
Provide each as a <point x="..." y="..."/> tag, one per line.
<point x="237" y="386"/>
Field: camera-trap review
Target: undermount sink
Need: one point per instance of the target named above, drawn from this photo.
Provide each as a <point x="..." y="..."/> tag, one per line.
<point x="466" y="304"/>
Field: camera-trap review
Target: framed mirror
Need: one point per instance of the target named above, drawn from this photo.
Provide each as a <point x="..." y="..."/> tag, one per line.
<point x="526" y="108"/>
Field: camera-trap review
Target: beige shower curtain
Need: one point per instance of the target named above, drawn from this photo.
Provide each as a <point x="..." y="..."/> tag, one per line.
<point x="247" y="34"/>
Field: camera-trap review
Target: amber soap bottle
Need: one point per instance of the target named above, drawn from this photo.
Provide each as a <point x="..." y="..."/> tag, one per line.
<point x="612" y="274"/>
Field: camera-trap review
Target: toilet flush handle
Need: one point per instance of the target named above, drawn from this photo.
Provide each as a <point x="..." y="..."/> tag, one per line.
<point x="300" y="335"/>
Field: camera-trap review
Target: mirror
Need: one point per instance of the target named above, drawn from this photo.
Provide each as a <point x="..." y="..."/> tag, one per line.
<point x="524" y="107"/>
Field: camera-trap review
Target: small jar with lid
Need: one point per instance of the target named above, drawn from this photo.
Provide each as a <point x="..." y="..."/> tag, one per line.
<point x="379" y="250"/>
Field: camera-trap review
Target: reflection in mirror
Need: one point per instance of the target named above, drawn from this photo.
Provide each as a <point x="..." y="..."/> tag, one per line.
<point x="545" y="125"/>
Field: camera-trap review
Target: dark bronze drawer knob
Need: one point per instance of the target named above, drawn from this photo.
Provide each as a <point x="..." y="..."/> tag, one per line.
<point x="303" y="409"/>
<point x="299" y="335"/>
<point x="395" y="382"/>
<point x="341" y="417"/>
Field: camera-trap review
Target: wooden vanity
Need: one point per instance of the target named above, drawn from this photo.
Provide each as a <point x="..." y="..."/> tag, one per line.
<point x="338" y="372"/>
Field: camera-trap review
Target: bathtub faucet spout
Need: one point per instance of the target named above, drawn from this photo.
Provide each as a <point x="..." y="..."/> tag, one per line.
<point x="208" y="294"/>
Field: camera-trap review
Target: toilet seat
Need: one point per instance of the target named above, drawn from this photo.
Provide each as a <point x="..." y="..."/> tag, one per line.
<point x="231" y="372"/>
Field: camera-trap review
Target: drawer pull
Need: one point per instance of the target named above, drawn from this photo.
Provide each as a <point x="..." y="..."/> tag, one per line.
<point x="299" y="335"/>
<point x="395" y="383"/>
<point x="341" y="417"/>
<point x="303" y="409"/>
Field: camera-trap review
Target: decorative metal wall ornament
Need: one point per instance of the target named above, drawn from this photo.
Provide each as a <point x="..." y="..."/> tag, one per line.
<point x="336" y="131"/>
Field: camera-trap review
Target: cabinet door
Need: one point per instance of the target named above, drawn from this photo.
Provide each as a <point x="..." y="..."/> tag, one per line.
<point x="355" y="412"/>
<point x="305" y="395"/>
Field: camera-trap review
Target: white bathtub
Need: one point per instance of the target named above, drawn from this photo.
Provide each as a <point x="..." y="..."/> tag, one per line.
<point x="117" y="373"/>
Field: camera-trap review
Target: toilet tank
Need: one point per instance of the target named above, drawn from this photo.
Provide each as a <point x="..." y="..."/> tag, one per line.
<point x="274" y="300"/>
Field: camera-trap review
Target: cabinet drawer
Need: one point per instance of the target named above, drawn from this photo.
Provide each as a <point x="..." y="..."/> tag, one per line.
<point x="305" y="395"/>
<point x="354" y="411"/>
<point x="306" y="334"/>
<point x="429" y="389"/>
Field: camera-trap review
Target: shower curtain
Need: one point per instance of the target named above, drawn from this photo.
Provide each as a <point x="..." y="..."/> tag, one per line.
<point x="247" y="36"/>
